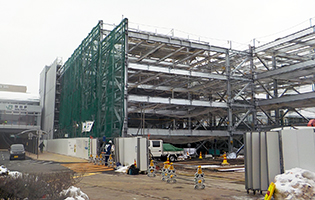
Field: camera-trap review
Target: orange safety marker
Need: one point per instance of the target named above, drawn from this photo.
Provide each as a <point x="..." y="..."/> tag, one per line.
<point x="200" y="156"/>
<point x="224" y="160"/>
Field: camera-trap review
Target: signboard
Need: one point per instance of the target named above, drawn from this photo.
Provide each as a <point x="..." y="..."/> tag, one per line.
<point x="13" y="88"/>
<point x="87" y="126"/>
<point x="16" y="107"/>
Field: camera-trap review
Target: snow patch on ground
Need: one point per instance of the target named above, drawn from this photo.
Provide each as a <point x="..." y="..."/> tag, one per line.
<point x="296" y="183"/>
<point x="231" y="156"/>
<point x="122" y="169"/>
<point x="74" y="193"/>
<point x="15" y="174"/>
<point x="5" y="171"/>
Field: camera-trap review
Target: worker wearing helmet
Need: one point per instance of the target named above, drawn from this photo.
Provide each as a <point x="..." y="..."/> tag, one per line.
<point x="108" y="151"/>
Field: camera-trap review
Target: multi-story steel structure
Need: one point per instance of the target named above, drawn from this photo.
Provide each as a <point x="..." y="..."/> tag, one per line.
<point x="131" y="82"/>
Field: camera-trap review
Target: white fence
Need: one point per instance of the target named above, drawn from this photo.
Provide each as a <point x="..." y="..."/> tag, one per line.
<point x="76" y="147"/>
<point x="268" y="154"/>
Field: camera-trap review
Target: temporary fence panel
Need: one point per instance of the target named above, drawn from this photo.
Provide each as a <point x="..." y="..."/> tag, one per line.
<point x="259" y="151"/>
<point x="273" y="155"/>
<point x="143" y="155"/>
<point x="72" y="147"/>
<point x="248" y="161"/>
<point x="131" y="149"/>
<point x="298" y="149"/>
<point x="264" y="184"/>
<point x="255" y="161"/>
<point x="76" y="147"/>
<point x="268" y="154"/>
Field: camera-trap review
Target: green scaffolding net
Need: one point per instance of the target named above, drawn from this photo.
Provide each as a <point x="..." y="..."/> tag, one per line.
<point x="92" y="83"/>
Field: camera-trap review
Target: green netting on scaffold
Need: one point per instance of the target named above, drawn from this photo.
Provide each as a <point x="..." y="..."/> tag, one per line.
<point x="92" y="85"/>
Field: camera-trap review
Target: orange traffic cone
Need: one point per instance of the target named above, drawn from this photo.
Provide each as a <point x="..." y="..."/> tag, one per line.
<point x="200" y="156"/>
<point x="224" y="160"/>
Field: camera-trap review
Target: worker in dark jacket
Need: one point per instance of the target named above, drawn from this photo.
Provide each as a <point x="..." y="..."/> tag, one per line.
<point x="41" y="147"/>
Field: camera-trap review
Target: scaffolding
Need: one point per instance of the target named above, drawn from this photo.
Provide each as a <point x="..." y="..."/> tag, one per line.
<point x="92" y="85"/>
<point x="134" y="82"/>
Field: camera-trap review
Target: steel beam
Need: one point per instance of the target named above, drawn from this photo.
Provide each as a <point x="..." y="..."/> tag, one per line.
<point x="182" y="72"/>
<point x="286" y="69"/>
<point x="155" y="87"/>
<point x="169" y="55"/>
<point x="287" y="99"/>
<point x="169" y="132"/>
<point x="183" y="102"/>
<point x="176" y="71"/>
<point x="286" y="39"/>
<point x="151" y="51"/>
<point x="242" y="119"/>
<point x="175" y="41"/>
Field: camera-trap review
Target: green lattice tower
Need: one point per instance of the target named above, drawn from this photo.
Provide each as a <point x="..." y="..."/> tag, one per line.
<point x="92" y="84"/>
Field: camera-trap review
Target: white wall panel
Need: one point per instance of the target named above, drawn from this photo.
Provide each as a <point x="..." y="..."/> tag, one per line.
<point x="77" y="147"/>
<point x="289" y="149"/>
<point x="263" y="164"/>
<point x="82" y="148"/>
<point x="248" y="161"/>
<point x="273" y="155"/>
<point x="48" y="100"/>
<point x="306" y="148"/>
<point x="255" y="161"/>
<point x="131" y="149"/>
<point x="298" y="149"/>
<point x="143" y="154"/>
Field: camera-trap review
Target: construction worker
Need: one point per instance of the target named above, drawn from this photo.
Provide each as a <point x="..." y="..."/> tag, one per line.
<point x="108" y="151"/>
<point x="41" y="147"/>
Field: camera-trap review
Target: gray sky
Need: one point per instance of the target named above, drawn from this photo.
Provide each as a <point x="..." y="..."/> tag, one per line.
<point x="35" y="32"/>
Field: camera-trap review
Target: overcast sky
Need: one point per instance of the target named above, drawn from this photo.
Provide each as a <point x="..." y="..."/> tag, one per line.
<point x="35" y="32"/>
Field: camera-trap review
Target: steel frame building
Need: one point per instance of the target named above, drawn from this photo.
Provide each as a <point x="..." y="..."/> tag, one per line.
<point x="133" y="82"/>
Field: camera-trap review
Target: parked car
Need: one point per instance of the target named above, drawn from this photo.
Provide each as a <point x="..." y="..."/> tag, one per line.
<point x="17" y="151"/>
